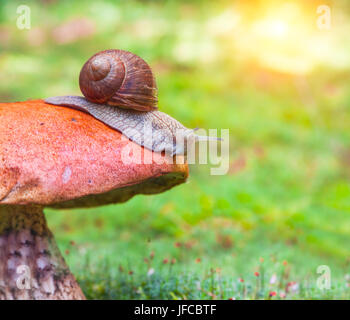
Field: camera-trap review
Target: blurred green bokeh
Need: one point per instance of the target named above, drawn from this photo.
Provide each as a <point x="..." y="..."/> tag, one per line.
<point x="277" y="82"/>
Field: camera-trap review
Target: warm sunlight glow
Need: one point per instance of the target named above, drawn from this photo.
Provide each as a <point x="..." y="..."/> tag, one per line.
<point x="286" y="38"/>
<point x="271" y="28"/>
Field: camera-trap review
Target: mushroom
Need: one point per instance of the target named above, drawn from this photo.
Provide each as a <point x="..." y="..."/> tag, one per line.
<point x="62" y="158"/>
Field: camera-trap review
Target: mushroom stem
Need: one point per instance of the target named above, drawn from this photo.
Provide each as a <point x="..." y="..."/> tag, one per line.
<point x="31" y="266"/>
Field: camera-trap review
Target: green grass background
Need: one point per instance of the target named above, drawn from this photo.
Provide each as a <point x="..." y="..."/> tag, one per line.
<point x="282" y="210"/>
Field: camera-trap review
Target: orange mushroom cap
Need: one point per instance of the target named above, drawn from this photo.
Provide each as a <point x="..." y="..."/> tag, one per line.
<point x="61" y="157"/>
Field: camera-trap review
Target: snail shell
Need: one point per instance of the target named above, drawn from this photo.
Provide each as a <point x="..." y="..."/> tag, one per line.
<point x="119" y="78"/>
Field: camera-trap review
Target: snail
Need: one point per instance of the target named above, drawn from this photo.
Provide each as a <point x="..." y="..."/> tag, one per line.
<point x="120" y="90"/>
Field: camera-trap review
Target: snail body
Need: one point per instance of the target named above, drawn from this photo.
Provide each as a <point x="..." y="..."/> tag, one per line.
<point x="120" y="90"/>
<point x="154" y="130"/>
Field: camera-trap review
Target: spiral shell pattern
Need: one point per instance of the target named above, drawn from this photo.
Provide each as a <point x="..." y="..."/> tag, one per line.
<point x="119" y="78"/>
